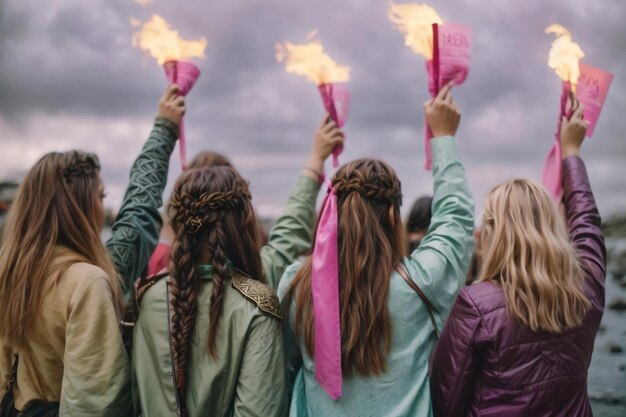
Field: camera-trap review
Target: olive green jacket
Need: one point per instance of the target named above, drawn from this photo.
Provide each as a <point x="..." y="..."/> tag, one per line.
<point x="248" y="378"/>
<point x="76" y="356"/>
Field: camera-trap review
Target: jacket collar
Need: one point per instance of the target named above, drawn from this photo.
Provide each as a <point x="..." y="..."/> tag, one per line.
<point x="205" y="271"/>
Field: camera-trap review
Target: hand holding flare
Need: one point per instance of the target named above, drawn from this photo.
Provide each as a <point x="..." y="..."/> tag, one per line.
<point x="446" y="47"/>
<point x="590" y="86"/>
<point x="170" y="50"/>
<point x="310" y="60"/>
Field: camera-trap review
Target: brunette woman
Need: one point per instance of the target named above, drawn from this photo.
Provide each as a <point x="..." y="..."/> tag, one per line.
<point x="519" y="342"/>
<point x="208" y="340"/>
<point x="61" y="293"/>
<point x="370" y="356"/>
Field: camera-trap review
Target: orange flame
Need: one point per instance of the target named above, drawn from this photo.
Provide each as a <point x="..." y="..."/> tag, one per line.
<point x="415" y="22"/>
<point x="310" y="61"/>
<point x="163" y="43"/>
<point x="564" y="54"/>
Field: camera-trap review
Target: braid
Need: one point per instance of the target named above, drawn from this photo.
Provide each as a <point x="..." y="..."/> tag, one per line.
<point x="80" y="164"/>
<point x="183" y="301"/>
<point x="215" y="242"/>
<point x="383" y="190"/>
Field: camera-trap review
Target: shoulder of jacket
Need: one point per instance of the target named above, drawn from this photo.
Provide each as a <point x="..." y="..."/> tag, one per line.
<point x="260" y="294"/>
<point x="486" y="296"/>
<point x="145" y="285"/>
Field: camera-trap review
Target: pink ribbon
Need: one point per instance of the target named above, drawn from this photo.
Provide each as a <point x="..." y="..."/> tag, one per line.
<point x="325" y="291"/>
<point x="336" y="100"/>
<point x="552" y="166"/>
<point x="184" y="74"/>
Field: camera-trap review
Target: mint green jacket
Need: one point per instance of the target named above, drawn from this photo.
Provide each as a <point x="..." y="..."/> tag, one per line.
<point x="438" y="266"/>
<point x="248" y="377"/>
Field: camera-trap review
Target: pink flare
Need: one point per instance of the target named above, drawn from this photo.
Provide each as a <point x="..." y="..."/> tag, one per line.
<point x="452" y="53"/>
<point x="184" y="74"/>
<point x="336" y="100"/>
<point x="325" y="291"/>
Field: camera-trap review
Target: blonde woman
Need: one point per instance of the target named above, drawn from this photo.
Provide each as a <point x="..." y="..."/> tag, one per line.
<point x="519" y="342"/>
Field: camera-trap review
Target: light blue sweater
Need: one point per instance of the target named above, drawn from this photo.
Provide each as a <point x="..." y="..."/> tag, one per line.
<point x="438" y="266"/>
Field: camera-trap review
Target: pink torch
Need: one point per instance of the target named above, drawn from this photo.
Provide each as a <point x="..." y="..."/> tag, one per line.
<point x="446" y="47"/>
<point x="311" y="61"/>
<point x="589" y="84"/>
<point x="170" y="50"/>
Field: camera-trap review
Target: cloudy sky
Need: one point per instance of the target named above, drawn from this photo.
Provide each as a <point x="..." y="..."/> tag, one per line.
<point x="69" y="78"/>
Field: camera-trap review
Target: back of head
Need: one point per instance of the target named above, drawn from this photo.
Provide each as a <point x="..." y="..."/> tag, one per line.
<point x="213" y="222"/>
<point x="526" y="249"/>
<point x="418" y="221"/>
<point x="58" y="203"/>
<point x="208" y="159"/>
<point x="370" y="245"/>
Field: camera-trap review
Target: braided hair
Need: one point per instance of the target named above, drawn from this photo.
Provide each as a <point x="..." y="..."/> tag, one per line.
<point x="370" y="242"/>
<point x="214" y="223"/>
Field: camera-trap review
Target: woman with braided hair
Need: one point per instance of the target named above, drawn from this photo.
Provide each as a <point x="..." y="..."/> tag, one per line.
<point x="208" y="339"/>
<point x="62" y="290"/>
<point x="363" y="318"/>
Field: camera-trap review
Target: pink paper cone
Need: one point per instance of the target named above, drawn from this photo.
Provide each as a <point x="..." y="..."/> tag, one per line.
<point x="452" y="52"/>
<point x="591" y="90"/>
<point x="325" y="291"/>
<point x="336" y="100"/>
<point x="184" y="74"/>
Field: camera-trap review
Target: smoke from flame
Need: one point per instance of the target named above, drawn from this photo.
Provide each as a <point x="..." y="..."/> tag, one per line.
<point x="415" y="22"/>
<point x="164" y="44"/>
<point x="310" y="61"/>
<point x="564" y="54"/>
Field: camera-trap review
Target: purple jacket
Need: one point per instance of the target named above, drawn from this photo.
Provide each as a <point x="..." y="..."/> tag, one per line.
<point x="486" y="364"/>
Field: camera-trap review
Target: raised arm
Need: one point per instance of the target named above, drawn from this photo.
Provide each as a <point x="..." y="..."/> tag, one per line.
<point x="440" y="262"/>
<point x="582" y="214"/>
<point x="292" y="234"/>
<point x="136" y="229"/>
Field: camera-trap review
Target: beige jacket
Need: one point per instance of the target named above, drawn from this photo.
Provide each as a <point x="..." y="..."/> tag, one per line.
<point x="76" y="355"/>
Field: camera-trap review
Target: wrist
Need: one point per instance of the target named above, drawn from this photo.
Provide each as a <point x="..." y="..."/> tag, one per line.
<point x="567" y="152"/>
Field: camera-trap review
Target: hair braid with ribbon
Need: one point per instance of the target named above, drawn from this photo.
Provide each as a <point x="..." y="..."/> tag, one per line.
<point x="353" y="263"/>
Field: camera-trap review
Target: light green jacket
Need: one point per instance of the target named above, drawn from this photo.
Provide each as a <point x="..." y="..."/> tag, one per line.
<point x="248" y="377"/>
<point x="438" y="266"/>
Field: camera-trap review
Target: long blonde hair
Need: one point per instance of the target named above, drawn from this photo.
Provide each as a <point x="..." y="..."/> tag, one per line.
<point x="528" y="252"/>
<point x="55" y="205"/>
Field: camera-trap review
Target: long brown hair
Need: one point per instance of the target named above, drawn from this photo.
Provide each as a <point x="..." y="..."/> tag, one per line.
<point x="370" y="244"/>
<point x="213" y="222"/>
<point x="56" y="204"/>
<point x="526" y="250"/>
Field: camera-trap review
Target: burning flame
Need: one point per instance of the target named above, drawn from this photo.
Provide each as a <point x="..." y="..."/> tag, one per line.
<point x="415" y="21"/>
<point x="163" y="43"/>
<point x="310" y="61"/>
<point x="564" y="54"/>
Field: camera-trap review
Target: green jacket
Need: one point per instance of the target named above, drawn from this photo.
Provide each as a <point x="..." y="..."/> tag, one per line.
<point x="248" y="377"/>
<point x="438" y="266"/>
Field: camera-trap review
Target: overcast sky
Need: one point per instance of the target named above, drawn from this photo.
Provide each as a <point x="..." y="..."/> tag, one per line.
<point x="69" y="78"/>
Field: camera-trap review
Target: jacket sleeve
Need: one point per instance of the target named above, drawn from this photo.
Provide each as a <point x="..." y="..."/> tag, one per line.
<point x="292" y="234"/>
<point x="584" y="222"/>
<point x="456" y="357"/>
<point x="440" y="263"/>
<point x="136" y="229"/>
<point x="262" y="385"/>
<point x="96" y="370"/>
<point x="293" y="356"/>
